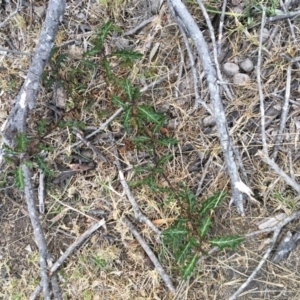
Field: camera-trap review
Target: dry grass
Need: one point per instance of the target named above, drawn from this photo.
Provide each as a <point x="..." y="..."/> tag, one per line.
<point x="112" y="265"/>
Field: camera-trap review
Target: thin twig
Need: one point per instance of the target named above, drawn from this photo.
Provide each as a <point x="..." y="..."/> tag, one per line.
<point x="101" y="128"/>
<point x="204" y="173"/>
<point x="139" y="27"/>
<point x="37" y="230"/>
<point x="18" y="8"/>
<point x="222" y="18"/>
<point x="164" y="276"/>
<point x="289" y="22"/>
<point x="214" y="46"/>
<point x="68" y="252"/>
<point x="41" y="192"/>
<point x="260" y="91"/>
<point x="137" y="212"/>
<point x="284" y="113"/>
<point x="98" y="155"/>
<point x="280" y="172"/>
<point x="198" y="99"/>
<point x="15" y="52"/>
<point x="291" y="164"/>
<point x="283" y="16"/>
<point x="276" y="230"/>
<point x="159" y="80"/>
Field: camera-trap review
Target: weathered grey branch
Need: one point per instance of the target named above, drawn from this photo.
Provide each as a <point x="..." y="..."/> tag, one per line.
<point x="68" y="252"/>
<point x="284" y="113"/>
<point x="37" y="230"/>
<point x="164" y="276"/>
<point x="180" y="12"/>
<point x="137" y="212"/>
<point x="26" y="98"/>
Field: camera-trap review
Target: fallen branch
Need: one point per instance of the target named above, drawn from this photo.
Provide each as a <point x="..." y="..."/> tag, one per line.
<point x="25" y="100"/>
<point x="164" y="276"/>
<point x="68" y="252"/>
<point x="37" y="231"/>
<point x="181" y="13"/>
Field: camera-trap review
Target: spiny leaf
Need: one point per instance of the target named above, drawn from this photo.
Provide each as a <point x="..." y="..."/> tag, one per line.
<point x="204" y="225"/>
<point x="19" y="178"/>
<point x="140" y="139"/>
<point x="189" y="267"/>
<point x="21" y="141"/>
<point x="102" y="33"/>
<point x="43" y="165"/>
<point x="186" y="249"/>
<point x="150" y="115"/>
<point x="136" y="93"/>
<point x="128" y="88"/>
<point x="127" y="57"/>
<point x="126" y="118"/>
<point x="108" y="71"/>
<point x="230" y="241"/>
<point x="211" y="203"/>
<point x="167" y="141"/>
<point x="188" y="196"/>
<point x="163" y="159"/>
<point x="117" y="101"/>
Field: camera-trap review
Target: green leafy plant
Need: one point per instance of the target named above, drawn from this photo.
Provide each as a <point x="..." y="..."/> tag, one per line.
<point x="186" y="236"/>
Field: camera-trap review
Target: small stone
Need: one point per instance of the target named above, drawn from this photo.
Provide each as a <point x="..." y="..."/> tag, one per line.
<point x="75" y="52"/>
<point x="265" y="35"/>
<point x="40" y="10"/>
<point x="247" y="65"/>
<point x="230" y="69"/>
<point x="240" y="79"/>
<point x="209" y="121"/>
